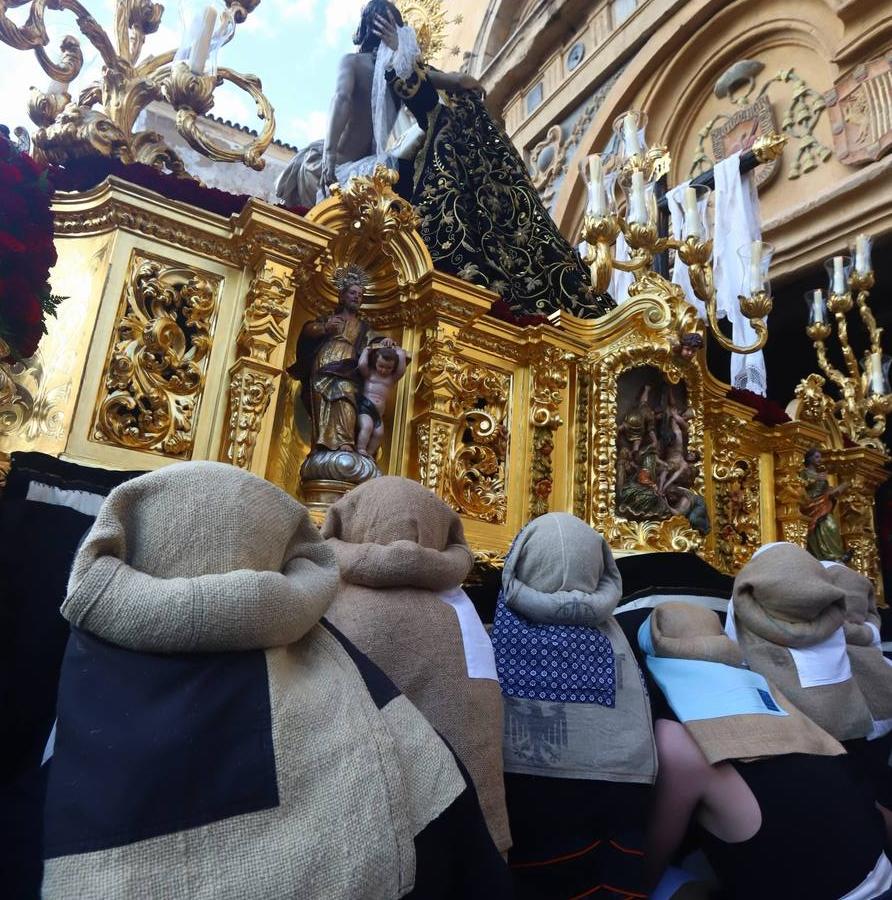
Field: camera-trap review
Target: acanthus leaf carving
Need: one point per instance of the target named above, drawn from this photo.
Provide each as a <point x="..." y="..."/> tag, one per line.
<point x="156" y="366"/>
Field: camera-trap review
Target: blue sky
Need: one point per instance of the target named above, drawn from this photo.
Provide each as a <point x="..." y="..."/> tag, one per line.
<point x="293" y="45"/>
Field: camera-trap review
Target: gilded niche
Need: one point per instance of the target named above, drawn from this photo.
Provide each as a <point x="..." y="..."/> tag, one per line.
<point x="155" y="371"/>
<point x="656" y="464"/>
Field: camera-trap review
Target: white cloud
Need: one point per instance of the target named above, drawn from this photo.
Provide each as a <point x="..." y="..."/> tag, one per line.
<point x="341" y="19"/>
<point x="301" y="130"/>
<point x="236" y="106"/>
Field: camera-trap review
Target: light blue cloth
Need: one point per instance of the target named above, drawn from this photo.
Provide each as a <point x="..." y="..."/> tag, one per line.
<point x="696" y="689"/>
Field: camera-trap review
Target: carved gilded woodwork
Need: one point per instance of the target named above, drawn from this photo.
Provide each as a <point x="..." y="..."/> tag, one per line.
<point x="249" y="396"/>
<point x="549" y="375"/>
<point x="154" y="373"/>
<point x="502" y="422"/>
<point x="29" y="406"/>
<point x="736" y="495"/>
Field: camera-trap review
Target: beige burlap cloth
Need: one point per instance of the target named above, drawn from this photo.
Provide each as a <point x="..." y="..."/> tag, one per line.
<point x="399" y="547"/>
<point x="205" y="557"/>
<point x="684" y="631"/>
<point x="869" y="666"/>
<point x="782" y="601"/>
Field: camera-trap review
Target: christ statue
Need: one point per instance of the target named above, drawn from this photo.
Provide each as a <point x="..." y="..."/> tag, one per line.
<point x="479" y="213"/>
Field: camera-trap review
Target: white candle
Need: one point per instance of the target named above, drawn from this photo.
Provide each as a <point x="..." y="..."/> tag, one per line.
<point x="597" y="201"/>
<point x="691" y="216"/>
<point x="630" y="134"/>
<point x="198" y="55"/>
<point x="876" y="373"/>
<point x="637" y="201"/>
<point x="817" y="306"/>
<point x="756" y="267"/>
<point x="839" y="276"/>
<point x="862" y="254"/>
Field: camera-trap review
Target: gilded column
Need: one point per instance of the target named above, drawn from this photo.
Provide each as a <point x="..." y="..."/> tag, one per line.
<point x="549" y="376"/>
<point x="257" y="372"/>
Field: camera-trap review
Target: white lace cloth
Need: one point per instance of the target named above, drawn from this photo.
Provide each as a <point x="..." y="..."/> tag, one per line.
<point x="680" y="274"/>
<point x="736" y="225"/>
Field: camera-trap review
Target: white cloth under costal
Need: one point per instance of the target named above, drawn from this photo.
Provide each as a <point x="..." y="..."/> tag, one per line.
<point x="736" y="225"/>
<point x="479" y="656"/>
<point x="823" y="663"/>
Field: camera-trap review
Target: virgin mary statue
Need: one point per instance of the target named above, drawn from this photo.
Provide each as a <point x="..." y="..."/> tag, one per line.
<point x="479" y="213"/>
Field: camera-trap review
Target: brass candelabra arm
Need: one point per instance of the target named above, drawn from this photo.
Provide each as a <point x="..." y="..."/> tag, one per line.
<point x="100" y="122"/>
<point x="842" y="329"/>
<point x="819" y="332"/>
<point x="862" y="284"/>
<point x="756" y="308"/>
<point x="251" y="154"/>
<point x="600" y="232"/>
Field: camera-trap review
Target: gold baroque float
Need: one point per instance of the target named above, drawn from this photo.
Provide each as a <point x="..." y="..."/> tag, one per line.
<point x="184" y="351"/>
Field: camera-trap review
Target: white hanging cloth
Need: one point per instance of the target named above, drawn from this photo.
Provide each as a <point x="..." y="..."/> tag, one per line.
<point x="680" y="274"/>
<point x="620" y="282"/>
<point x="736" y="226"/>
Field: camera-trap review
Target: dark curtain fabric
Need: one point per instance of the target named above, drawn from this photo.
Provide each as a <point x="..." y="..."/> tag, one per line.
<point x="37" y="546"/>
<point x="28" y="467"/>
<point x="483" y="220"/>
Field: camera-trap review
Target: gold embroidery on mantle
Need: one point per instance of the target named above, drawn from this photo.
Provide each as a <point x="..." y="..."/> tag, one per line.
<point x="154" y="374"/>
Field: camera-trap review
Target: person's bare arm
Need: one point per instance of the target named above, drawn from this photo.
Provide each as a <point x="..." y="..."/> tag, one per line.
<point x="403" y="362"/>
<point x="454" y="81"/>
<point x="340" y="116"/>
<point x="683" y="773"/>
<point x="363" y="363"/>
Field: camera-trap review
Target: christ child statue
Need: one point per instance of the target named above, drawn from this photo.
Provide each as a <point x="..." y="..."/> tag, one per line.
<point x="381" y="368"/>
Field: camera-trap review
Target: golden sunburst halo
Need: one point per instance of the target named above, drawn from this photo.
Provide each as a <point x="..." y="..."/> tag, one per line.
<point x="430" y="21"/>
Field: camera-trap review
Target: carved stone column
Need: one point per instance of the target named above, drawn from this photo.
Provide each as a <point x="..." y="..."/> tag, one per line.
<point x="256" y="373"/>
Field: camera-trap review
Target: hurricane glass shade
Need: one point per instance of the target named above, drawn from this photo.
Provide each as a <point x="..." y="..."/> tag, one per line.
<point x="839" y="271"/>
<point x="816" y="303"/>
<point x="755" y="261"/>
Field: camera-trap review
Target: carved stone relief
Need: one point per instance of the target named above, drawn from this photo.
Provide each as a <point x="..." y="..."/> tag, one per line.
<point x="860" y="110"/>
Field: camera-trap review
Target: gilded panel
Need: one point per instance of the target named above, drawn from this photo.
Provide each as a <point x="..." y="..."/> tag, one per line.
<point x="155" y="369"/>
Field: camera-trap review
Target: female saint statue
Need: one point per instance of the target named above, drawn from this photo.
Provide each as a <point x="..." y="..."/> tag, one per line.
<point x="824" y="540"/>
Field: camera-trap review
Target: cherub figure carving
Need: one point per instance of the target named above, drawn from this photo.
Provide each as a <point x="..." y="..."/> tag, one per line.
<point x="381" y="369"/>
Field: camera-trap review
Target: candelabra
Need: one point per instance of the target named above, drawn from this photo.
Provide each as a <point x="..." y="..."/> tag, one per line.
<point x="101" y="121"/>
<point x="865" y="396"/>
<point x="637" y="169"/>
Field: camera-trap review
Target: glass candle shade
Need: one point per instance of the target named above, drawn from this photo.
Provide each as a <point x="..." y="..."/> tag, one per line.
<point x="629" y="131"/>
<point x="816" y="302"/>
<point x="697" y="218"/>
<point x="876" y="365"/>
<point x="839" y="270"/>
<point x="755" y="260"/>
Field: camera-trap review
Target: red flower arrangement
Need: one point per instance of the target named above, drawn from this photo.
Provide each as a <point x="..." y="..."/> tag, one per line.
<point x="26" y="250"/>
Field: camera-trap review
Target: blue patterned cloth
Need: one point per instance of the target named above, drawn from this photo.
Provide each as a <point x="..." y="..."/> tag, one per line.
<point x="558" y="663"/>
